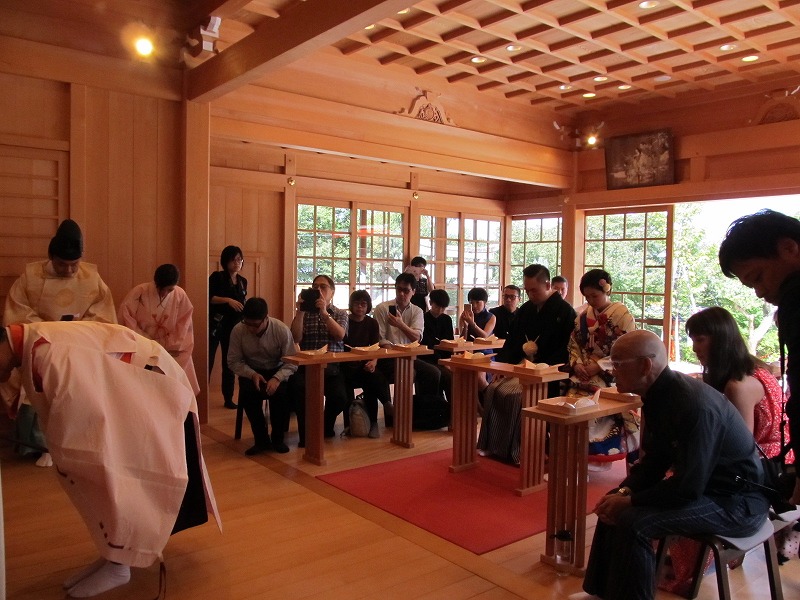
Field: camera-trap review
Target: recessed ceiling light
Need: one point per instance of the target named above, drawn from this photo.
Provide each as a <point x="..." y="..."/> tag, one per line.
<point x="564" y="87"/>
<point x="727" y="47"/>
<point x="624" y="86"/>
<point x="368" y="27"/>
<point x="144" y="46"/>
<point x="662" y="78"/>
<point x="751" y="58"/>
<point x="647" y="4"/>
<point x="600" y="78"/>
<point x="513" y="48"/>
<point x="477" y="60"/>
<point x="405" y="11"/>
<point x="589" y="95"/>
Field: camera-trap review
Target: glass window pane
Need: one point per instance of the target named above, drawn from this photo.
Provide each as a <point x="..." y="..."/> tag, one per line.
<point x="634" y="225"/>
<point x="452" y="229"/>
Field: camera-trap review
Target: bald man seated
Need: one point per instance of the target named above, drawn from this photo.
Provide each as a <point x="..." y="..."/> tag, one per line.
<point x="695" y="444"/>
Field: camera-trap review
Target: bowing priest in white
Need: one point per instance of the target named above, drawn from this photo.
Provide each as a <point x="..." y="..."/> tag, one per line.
<point x="120" y="419"/>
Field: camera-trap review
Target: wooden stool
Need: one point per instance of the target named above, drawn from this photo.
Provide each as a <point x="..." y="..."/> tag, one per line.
<point x="726" y="549"/>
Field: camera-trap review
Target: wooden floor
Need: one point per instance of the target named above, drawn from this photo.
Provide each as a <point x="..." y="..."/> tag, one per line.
<point x="289" y="536"/>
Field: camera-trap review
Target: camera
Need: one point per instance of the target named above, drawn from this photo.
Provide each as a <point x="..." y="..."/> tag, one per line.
<point x="308" y="299"/>
<point x="393" y="310"/>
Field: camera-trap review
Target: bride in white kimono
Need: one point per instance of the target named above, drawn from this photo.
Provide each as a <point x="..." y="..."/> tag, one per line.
<point x="133" y="486"/>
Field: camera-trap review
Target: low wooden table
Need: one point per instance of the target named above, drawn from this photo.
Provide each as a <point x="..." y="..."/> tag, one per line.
<point x="569" y="461"/>
<point x="465" y="418"/>
<point x="315" y="393"/>
<point x="468" y="346"/>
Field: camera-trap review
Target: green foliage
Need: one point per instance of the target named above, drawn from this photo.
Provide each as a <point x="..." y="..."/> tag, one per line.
<point x="699" y="283"/>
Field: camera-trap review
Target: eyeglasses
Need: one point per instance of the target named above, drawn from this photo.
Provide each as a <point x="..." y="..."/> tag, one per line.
<point x="615" y="364"/>
<point x="404" y="290"/>
<point x="509" y="296"/>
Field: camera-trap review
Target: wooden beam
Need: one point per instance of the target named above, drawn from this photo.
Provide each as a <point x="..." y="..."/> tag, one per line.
<point x="301" y="30"/>
<point x="43" y="61"/>
<point x="234" y="129"/>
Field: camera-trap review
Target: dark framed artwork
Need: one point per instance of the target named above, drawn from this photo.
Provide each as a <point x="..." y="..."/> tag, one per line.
<point x="640" y="160"/>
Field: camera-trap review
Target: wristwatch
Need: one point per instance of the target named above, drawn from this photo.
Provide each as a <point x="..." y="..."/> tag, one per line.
<point x="624" y="491"/>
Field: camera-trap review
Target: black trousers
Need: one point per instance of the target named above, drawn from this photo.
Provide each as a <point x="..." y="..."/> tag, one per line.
<point x="426" y="376"/>
<point x="252" y="400"/>
<point x="222" y="339"/>
<point x="335" y="398"/>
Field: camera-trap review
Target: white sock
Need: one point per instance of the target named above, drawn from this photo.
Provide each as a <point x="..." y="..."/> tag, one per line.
<point x="84" y="573"/>
<point x="45" y="460"/>
<point x="107" y="577"/>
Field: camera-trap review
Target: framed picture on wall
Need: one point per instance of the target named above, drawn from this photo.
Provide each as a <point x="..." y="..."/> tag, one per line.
<point x="640" y="160"/>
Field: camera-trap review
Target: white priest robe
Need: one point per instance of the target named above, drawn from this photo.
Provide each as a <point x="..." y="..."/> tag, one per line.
<point x="115" y="430"/>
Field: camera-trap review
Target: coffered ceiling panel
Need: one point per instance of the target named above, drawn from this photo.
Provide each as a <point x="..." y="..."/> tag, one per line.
<point x="564" y="55"/>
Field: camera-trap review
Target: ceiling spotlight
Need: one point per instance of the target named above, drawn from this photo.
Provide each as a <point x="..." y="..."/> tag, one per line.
<point x="727" y="47"/>
<point x="600" y="78"/>
<point x="565" y="87"/>
<point x="624" y="86"/>
<point x="589" y="95"/>
<point x="144" y="46"/>
<point x="513" y="48"/>
<point x="591" y="140"/>
<point x="477" y="60"/>
<point x="405" y="11"/>
<point x="368" y="27"/>
<point x="648" y="4"/>
<point x="663" y="78"/>
<point x="751" y="58"/>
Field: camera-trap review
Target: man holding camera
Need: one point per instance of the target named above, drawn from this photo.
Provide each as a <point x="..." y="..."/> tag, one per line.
<point x="400" y="322"/>
<point x="257" y="344"/>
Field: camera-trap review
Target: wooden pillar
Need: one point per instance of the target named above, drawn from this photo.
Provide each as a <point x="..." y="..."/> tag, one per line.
<point x="196" y="182"/>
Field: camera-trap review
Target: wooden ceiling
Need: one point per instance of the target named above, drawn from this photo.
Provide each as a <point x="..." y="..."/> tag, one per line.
<point x="544" y="53"/>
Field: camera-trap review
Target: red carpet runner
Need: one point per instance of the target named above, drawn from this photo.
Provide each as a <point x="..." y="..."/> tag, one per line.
<point x="475" y="509"/>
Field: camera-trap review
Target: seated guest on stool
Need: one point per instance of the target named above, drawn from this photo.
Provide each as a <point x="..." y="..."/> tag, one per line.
<point x="747" y="382"/>
<point x="697" y="434"/>
<point x="256" y="347"/>
<point x="476" y="320"/>
<point x="325" y="325"/>
<point x="504" y="313"/>
<point x="560" y="285"/>
<point x="540" y="332"/>
<point x="400" y="322"/>
<point x="438" y="327"/>
<point x="363" y="331"/>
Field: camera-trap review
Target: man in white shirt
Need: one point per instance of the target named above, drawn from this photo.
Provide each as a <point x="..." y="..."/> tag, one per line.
<point x="401" y="322"/>
<point x="255" y="353"/>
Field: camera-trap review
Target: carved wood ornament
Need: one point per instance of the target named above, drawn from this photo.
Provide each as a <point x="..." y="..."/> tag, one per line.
<point x="426" y="107"/>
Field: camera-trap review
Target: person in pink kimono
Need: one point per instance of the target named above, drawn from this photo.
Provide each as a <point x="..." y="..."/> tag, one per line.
<point x="161" y="311"/>
<point x="133" y="486"/>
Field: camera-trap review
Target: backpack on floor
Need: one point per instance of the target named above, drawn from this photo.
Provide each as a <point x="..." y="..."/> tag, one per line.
<point x="431" y="411"/>
<point x="359" y="419"/>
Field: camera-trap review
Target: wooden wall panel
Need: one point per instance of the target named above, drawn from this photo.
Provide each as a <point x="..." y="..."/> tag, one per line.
<point x="34" y="108"/>
<point x="133" y="202"/>
<point x="33" y="197"/>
